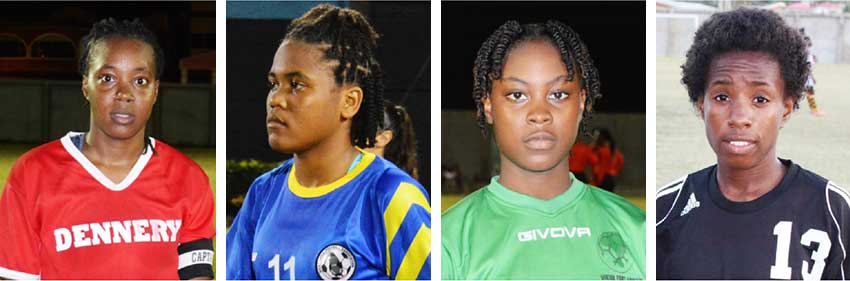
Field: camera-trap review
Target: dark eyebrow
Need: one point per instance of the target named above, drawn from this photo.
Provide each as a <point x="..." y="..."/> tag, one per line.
<point x="559" y="78"/>
<point x="727" y="82"/>
<point x="516" y="80"/>
<point x="556" y="79"/>
<point x="759" y="83"/>
<point x="143" y="68"/>
<point x="293" y="74"/>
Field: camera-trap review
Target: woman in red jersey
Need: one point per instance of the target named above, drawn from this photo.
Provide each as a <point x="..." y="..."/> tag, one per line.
<point x="110" y="203"/>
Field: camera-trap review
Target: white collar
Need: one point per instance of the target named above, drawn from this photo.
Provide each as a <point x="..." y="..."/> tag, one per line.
<point x="96" y="173"/>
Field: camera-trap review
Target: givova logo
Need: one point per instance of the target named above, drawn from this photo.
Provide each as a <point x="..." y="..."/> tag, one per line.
<point x="613" y="252"/>
<point x="553" y="232"/>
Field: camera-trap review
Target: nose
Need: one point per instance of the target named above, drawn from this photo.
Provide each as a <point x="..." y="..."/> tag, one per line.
<point x="277" y="99"/>
<point x="539" y="112"/>
<point x="124" y="93"/>
<point x="740" y="115"/>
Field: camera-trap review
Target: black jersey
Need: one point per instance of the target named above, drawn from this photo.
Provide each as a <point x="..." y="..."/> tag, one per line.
<point x="797" y="230"/>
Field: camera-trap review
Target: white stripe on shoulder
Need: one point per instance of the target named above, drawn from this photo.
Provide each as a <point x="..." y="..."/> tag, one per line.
<point x="671" y="187"/>
<point x="843" y="193"/>
<point x="17" y="275"/>
<point x="675" y="187"/>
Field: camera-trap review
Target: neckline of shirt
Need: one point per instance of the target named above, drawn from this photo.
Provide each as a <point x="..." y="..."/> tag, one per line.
<point x="550" y="206"/>
<point x="98" y="175"/>
<point x="754" y="205"/>
<point x="312" y="192"/>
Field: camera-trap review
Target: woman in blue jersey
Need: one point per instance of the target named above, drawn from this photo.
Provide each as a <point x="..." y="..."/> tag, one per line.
<point x="535" y="84"/>
<point x="334" y="211"/>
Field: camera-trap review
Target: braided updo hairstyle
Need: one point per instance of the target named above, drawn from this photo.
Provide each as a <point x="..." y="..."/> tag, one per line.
<point x="495" y="50"/>
<point x="348" y="38"/>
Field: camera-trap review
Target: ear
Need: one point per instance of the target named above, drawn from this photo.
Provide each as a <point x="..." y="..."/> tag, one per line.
<point x="352" y="97"/>
<point x="788" y="104"/>
<point x="700" y="106"/>
<point x="581" y="107"/>
<point x="582" y="100"/>
<point x="488" y="109"/>
<point x="155" y="90"/>
<point x="83" y="88"/>
<point x="383" y="138"/>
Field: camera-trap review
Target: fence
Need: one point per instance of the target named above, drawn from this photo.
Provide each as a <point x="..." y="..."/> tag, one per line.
<point x="830" y="34"/>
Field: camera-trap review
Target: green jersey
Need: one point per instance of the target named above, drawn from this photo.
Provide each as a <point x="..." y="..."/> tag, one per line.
<point x="584" y="233"/>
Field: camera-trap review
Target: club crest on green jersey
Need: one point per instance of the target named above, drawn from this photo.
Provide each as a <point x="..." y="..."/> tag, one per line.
<point x="613" y="252"/>
<point x="335" y="262"/>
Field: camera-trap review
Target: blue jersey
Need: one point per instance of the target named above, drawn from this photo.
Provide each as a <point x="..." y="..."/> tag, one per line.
<point x="373" y="223"/>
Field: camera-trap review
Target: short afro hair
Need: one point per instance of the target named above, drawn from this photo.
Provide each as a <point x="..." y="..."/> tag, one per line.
<point x="111" y="28"/>
<point x="494" y="52"/>
<point x="747" y="29"/>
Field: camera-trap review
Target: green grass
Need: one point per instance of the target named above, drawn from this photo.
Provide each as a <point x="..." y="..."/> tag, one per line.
<point x="8" y="154"/>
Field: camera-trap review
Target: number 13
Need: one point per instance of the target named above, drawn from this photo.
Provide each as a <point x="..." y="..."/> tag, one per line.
<point x="781" y="270"/>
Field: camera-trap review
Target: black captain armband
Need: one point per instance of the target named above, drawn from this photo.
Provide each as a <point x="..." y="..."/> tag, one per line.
<point x="195" y="260"/>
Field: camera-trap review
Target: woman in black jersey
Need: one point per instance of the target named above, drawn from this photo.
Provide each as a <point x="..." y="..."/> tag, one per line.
<point x="752" y="215"/>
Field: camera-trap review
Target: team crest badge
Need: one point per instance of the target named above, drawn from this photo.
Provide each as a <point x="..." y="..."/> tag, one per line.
<point x="612" y="251"/>
<point x="335" y="262"/>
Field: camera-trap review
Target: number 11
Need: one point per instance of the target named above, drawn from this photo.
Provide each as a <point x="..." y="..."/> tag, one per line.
<point x="288" y="265"/>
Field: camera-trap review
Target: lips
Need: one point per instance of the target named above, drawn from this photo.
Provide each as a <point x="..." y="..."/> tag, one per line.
<point x="540" y="140"/>
<point x="273" y="122"/>
<point x="739" y="145"/>
<point x="122" y="118"/>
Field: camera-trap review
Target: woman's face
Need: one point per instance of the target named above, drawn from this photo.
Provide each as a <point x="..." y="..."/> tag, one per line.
<point x="744" y="107"/>
<point x="534" y="108"/>
<point x="121" y="86"/>
<point x="303" y="104"/>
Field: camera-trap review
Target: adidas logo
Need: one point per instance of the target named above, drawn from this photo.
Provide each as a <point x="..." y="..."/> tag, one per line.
<point x="692" y="203"/>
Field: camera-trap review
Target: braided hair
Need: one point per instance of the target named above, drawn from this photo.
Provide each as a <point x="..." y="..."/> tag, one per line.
<point x="352" y="42"/>
<point x="402" y="148"/>
<point x="131" y="29"/>
<point x="494" y="52"/>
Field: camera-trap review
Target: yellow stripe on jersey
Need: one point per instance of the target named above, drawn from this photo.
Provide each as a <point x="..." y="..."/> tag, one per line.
<point x="313" y="192"/>
<point x="416" y="255"/>
<point x="406" y="195"/>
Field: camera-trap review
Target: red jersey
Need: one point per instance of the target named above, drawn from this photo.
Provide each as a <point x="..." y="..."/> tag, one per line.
<point x="581" y="155"/>
<point x="609" y="164"/>
<point x="61" y="218"/>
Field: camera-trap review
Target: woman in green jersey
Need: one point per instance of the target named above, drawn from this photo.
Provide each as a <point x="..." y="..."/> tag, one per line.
<point x="535" y="84"/>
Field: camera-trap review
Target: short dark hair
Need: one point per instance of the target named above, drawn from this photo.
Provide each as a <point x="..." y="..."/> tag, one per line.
<point x="352" y="42"/>
<point x="747" y="29"/>
<point x="493" y="54"/>
<point x="112" y="28"/>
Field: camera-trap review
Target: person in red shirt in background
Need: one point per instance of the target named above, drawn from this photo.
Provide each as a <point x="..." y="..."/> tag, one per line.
<point x="582" y="156"/>
<point x="609" y="161"/>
